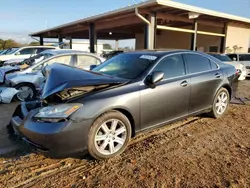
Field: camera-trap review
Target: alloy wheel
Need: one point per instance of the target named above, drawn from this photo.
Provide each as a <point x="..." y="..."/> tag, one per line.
<point x="110" y="137"/>
<point x="24" y="93"/>
<point x="221" y="103"/>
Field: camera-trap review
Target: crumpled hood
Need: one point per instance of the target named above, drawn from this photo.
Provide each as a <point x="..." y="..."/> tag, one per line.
<point x="6" y="69"/>
<point x="60" y="77"/>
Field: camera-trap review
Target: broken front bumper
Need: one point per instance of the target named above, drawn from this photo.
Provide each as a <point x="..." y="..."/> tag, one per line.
<point x="7" y="94"/>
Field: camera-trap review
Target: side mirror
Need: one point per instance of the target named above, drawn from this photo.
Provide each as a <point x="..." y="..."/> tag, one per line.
<point x="234" y="59"/>
<point x="155" y="77"/>
<point x="91" y="67"/>
<point x="18" y="53"/>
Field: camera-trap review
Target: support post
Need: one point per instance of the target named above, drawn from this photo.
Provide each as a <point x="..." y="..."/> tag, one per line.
<point x="92" y="38"/>
<point x="152" y="37"/>
<point x="146" y="33"/>
<point x="116" y="44"/>
<point x="223" y="39"/>
<point x="60" y="39"/>
<point x="150" y="32"/>
<point x="70" y="43"/>
<point x="194" y="36"/>
<point x="41" y="41"/>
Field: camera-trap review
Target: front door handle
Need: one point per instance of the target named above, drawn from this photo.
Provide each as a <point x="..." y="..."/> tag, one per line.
<point x="184" y="83"/>
<point x="217" y="75"/>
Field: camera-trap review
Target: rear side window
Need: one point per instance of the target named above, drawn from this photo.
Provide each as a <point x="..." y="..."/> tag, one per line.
<point x="39" y="50"/>
<point x="172" y="66"/>
<point x="197" y="63"/>
<point x="244" y="57"/>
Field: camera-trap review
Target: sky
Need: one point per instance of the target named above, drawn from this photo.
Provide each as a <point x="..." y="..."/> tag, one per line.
<point x="21" y="17"/>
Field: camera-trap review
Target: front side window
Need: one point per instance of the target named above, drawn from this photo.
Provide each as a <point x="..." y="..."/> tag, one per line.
<point x="233" y="57"/>
<point x="197" y="63"/>
<point x="129" y="66"/>
<point x="62" y="59"/>
<point x="84" y="61"/>
<point x="26" y="51"/>
<point x="172" y="66"/>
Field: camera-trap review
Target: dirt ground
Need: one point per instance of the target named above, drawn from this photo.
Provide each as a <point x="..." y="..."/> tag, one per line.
<point x="196" y="152"/>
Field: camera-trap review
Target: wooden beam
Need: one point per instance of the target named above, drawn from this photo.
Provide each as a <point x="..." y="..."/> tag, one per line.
<point x="189" y="31"/>
<point x="75" y="29"/>
<point x="117" y="23"/>
<point x="185" y="19"/>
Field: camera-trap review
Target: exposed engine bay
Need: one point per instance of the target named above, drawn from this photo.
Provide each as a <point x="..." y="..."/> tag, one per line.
<point x="71" y="93"/>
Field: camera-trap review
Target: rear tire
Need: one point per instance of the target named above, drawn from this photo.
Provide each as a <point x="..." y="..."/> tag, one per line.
<point x="220" y="103"/>
<point x="109" y="135"/>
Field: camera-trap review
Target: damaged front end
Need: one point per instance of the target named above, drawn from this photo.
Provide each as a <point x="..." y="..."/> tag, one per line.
<point x="7" y="94"/>
<point x="64" y="83"/>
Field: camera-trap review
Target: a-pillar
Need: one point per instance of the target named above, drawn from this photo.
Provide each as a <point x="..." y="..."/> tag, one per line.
<point x="150" y="32"/>
<point x="194" y="36"/>
<point x="92" y="38"/>
<point x="41" y="41"/>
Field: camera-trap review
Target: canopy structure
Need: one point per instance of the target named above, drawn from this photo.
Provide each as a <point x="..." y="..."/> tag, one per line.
<point x="147" y="18"/>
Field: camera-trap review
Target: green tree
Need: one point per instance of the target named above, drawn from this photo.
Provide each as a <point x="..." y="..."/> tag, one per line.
<point x="34" y="44"/>
<point x="1" y="44"/>
<point x="9" y="44"/>
<point x="107" y="46"/>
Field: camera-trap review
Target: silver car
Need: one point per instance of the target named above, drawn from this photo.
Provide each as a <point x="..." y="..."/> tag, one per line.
<point x="28" y="82"/>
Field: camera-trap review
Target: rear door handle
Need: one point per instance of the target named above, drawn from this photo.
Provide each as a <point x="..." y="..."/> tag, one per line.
<point x="184" y="83"/>
<point x="217" y="75"/>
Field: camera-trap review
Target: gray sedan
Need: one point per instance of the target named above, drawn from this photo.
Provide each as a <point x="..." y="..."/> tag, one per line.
<point x="99" y="111"/>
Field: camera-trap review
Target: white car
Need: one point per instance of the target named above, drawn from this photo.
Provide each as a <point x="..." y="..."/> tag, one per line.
<point x="244" y="59"/>
<point x="23" y="52"/>
<point x="28" y="81"/>
<point x="239" y="66"/>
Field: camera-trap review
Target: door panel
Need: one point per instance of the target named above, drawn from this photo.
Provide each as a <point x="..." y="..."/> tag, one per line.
<point x="205" y="79"/>
<point x="203" y="89"/>
<point x="167" y="101"/>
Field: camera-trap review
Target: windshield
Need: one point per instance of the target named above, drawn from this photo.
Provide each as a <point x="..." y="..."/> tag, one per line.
<point x="11" y="51"/>
<point x="128" y="66"/>
<point x="221" y="57"/>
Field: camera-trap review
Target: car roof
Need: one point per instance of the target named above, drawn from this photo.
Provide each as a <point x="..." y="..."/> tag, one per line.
<point x="160" y="53"/>
<point x="36" y="47"/>
<point x="64" y="51"/>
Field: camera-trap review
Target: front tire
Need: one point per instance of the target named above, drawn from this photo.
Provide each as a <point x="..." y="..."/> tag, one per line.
<point x="27" y="91"/>
<point x="220" y="103"/>
<point x="109" y="135"/>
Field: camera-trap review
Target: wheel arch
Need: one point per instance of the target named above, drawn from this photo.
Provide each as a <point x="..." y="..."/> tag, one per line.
<point x="228" y="88"/>
<point x="122" y="111"/>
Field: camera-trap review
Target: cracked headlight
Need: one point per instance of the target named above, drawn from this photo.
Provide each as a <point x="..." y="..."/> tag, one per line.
<point x="57" y="112"/>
